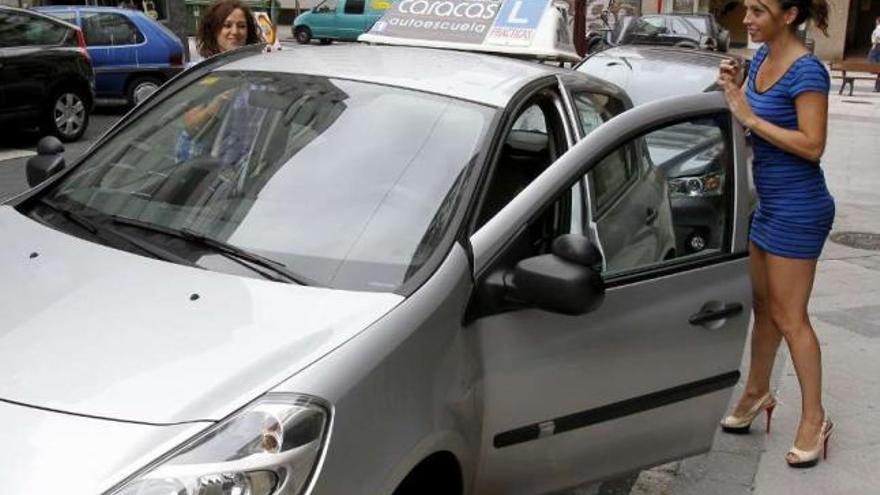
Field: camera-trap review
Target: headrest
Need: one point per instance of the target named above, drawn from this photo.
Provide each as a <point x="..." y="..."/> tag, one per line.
<point x="528" y="142"/>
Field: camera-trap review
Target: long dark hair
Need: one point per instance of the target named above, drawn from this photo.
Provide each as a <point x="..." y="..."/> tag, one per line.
<point x="817" y="10"/>
<point x="212" y="22"/>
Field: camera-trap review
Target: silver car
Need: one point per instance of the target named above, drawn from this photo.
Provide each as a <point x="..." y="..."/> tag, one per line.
<point x="368" y="270"/>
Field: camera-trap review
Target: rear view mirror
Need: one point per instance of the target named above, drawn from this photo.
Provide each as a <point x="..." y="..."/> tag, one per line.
<point x="562" y="282"/>
<point x="48" y="162"/>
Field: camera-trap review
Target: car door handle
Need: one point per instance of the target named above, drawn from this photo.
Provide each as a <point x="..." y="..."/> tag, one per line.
<point x="650" y="216"/>
<point x="721" y="313"/>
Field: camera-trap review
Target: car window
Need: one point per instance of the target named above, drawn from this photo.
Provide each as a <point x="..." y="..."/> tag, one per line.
<point x="354" y="6"/>
<point x="532" y="143"/>
<point x="107" y="29"/>
<point x="589" y="115"/>
<point x="701" y="23"/>
<point x="611" y="178"/>
<point x="350" y="184"/>
<point x="18" y="29"/>
<point x="531" y="119"/>
<point x="647" y="26"/>
<point x="682" y="208"/>
<point x="681" y="26"/>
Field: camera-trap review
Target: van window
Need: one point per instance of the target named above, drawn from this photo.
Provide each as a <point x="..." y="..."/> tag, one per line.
<point x="354" y="6"/>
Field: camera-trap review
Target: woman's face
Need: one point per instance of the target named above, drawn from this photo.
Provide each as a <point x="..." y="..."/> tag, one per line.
<point x="233" y="32"/>
<point x="765" y="19"/>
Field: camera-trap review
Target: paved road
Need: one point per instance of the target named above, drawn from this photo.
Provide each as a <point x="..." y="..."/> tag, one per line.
<point x="16" y="146"/>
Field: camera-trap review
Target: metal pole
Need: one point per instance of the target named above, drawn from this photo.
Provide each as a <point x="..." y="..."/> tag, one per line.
<point x="580" y="27"/>
<point x="659" y="6"/>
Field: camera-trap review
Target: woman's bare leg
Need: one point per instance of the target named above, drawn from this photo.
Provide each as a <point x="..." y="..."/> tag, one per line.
<point x="790" y="282"/>
<point x="765" y="336"/>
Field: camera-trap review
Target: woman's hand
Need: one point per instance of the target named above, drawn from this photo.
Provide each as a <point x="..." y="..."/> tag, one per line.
<point x="728" y="77"/>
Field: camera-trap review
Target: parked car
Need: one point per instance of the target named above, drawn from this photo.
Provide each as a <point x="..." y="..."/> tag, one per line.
<point x="132" y="53"/>
<point x="648" y="73"/>
<point x="342" y="20"/>
<point x="718" y="35"/>
<point x="369" y="289"/>
<point x="46" y="76"/>
<point x="665" y="30"/>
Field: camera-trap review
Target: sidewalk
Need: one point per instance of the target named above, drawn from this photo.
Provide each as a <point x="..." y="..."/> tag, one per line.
<point x="845" y="311"/>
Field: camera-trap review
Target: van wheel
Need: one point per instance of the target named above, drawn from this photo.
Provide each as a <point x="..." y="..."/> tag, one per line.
<point x="303" y="35"/>
<point x="66" y="115"/>
<point x="140" y="88"/>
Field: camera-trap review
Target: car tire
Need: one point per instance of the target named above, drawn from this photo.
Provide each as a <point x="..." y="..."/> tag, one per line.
<point x="67" y="114"/>
<point x="303" y="35"/>
<point x="140" y="88"/>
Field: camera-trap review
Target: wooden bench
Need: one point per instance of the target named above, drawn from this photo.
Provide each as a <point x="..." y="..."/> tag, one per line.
<point x="845" y="66"/>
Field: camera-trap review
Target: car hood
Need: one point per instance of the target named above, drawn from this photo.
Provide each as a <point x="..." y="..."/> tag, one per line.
<point x="648" y="74"/>
<point x="96" y="331"/>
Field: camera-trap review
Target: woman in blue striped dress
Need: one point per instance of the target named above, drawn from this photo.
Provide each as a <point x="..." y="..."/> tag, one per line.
<point x="785" y="106"/>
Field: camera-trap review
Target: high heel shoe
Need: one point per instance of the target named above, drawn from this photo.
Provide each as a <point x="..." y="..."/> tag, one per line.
<point x="742" y="424"/>
<point x="809" y="458"/>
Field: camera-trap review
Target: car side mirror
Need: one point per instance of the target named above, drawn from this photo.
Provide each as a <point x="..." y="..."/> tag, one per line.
<point x="565" y="281"/>
<point x="48" y="162"/>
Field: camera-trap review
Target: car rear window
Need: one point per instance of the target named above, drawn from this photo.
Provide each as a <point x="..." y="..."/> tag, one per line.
<point x="20" y="29"/>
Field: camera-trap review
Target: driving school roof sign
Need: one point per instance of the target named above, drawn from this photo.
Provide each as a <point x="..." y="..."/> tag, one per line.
<point x="517" y="27"/>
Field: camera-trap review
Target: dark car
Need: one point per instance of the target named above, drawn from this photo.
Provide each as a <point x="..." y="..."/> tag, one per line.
<point x="132" y="53"/>
<point x="716" y="34"/>
<point x="46" y="75"/>
<point x="664" y="30"/>
<point x="649" y="73"/>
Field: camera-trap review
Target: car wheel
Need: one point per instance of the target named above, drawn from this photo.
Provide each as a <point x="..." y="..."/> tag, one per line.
<point x="140" y="88"/>
<point x="67" y="115"/>
<point x="303" y="35"/>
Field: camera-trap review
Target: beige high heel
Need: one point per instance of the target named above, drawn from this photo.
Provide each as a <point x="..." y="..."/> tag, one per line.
<point x="742" y="424"/>
<point x="809" y="458"/>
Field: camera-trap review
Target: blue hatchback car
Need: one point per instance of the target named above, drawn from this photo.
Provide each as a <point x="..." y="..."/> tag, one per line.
<point x="132" y="54"/>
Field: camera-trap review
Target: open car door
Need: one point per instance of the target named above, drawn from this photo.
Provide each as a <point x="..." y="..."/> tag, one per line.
<point x="590" y="368"/>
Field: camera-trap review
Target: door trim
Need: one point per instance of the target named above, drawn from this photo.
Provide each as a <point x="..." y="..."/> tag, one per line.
<point x="616" y="410"/>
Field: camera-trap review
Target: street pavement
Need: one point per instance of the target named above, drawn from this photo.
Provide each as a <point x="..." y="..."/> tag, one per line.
<point x="844" y="309"/>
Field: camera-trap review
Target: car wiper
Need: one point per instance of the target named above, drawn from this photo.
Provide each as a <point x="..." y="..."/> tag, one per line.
<point x="99" y="230"/>
<point x="240" y="255"/>
<point x="71" y="216"/>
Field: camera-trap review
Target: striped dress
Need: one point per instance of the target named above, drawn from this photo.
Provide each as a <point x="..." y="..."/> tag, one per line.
<point x="795" y="210"/>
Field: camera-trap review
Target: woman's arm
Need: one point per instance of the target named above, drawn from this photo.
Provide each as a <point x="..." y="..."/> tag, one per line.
<point x="196" y="118"/>
<point x="807" y="141"/>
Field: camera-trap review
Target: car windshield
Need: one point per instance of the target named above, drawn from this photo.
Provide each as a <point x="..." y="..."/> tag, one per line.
<point x="352" y="185"/>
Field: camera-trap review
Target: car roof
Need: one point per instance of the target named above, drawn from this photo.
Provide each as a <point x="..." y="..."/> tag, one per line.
<point x="72" y="8"/>
<point x="647" y="73"/>
<point x="483" y="78"/>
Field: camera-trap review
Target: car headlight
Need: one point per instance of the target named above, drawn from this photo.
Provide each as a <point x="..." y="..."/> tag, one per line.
<point x="269" y="448"/>
<point x="704" y="185"/>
